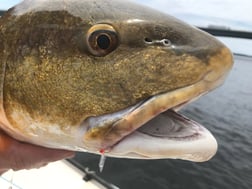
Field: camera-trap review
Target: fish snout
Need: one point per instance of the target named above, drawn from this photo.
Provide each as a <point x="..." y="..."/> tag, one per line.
<point x="219" y="65"/>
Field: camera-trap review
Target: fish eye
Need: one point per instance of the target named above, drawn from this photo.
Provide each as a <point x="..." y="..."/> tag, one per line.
<point x="102" y="39"/>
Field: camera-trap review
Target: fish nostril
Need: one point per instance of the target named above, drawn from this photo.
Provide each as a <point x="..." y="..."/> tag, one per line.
<point x="148" y="40"/>
<point x="166" y="42"/>
<point x="163" y="42"/>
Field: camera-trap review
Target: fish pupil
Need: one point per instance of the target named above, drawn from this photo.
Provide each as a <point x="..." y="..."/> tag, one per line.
<point x="103" y="41"/>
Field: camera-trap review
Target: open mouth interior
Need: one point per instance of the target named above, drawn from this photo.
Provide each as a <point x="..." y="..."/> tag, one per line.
<point x="168" y="135"/>
<point x="172" y="125"/>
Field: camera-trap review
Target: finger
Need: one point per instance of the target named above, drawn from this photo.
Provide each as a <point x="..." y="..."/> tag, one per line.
<point x="29" y="156"/>
<point x="18" y="155"/>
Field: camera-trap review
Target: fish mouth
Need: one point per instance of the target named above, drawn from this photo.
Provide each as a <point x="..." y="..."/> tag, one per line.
<point x="153" y="129"/>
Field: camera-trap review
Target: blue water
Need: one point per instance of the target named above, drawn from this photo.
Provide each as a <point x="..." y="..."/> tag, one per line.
<point x="227" y="113"/>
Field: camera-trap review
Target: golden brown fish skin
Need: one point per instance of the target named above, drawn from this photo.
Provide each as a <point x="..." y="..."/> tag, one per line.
<point x="51" y="75"/>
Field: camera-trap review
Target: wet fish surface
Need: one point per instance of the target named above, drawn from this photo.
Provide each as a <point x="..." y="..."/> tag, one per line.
<point x="106" y="75"/>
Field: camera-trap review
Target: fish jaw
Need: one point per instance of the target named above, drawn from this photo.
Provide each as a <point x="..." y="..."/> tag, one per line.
<point x="124" y="137"/>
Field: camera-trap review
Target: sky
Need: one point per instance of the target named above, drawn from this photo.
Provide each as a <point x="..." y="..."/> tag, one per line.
<point x="225" y="13"/>
<point x="228" y="13"/>
<point x="5" y="4"/>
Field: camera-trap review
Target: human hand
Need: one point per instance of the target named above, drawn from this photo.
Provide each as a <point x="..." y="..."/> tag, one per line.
<point x="17" y="155"/>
